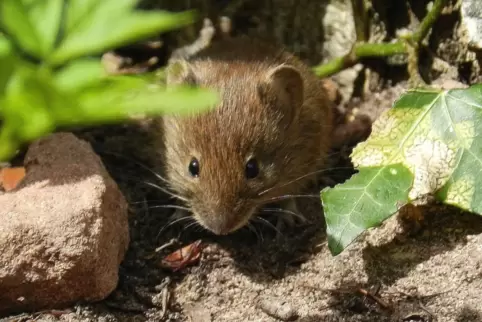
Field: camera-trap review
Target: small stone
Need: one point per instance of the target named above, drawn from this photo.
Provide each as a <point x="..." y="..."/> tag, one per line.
<point x="64" y="229"/>
<point x="277" y="308"/>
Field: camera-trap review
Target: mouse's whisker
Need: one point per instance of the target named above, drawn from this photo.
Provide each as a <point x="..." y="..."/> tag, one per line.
<point x="252" y="228"/>
<point x="157" y="175"/>
<point x="267" y="223"/>
<point x="282" y="211"/>
<point x="284" y="197"/>
<point x="164" y="190"/>
<point x="198" y="228"/>
<point x="299" y="178"/>
<point x="161" y="201"/>
<point x="169" y="207"/>
<point x="142" y="165"/>
<point x="173" y="222"/>
<point x="330" y="154"/>
<point x="191" y="224"/>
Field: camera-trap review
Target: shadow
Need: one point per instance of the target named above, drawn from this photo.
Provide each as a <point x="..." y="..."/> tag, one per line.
<point x="346" y="302"/>
<point x="256" y="253"/>
<point x="443" y="31"/>
<point x="298" y="25"/>
<point x="337" y="317"/>
<point x="467" y="314"/>
<point x="393" y="14"/>
<point x="263" y="257"/>
<point x="444" y="229"/>
<point x="131" y="154"/>
<point x="354" y="301"/>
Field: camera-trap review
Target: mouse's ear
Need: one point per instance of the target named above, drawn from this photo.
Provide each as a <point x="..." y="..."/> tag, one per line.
<point x="180" y="72"/>
<point x="283" y="86"/>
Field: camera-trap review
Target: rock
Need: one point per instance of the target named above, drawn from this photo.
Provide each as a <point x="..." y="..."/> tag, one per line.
<point x="471" y="11"/>
<point x="64" y="230"/>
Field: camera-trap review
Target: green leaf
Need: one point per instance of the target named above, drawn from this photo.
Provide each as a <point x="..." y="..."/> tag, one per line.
<point x="26" y="106"/>
<point x="15" y="21"/>
<point x="8" y="144"/>
<point x="463" y="114"/>
<point x="33" y="25"/>
<point x="364" y="201"/>
<point x="45" y="16"/>
<point x="437" y="135"/>
<point x="7" y="61"/>
<point x="125" y="97"/>
<point x="179" y="101"/>
<point x="64" y="88"/>
<point x="82" y="13"/>
<point x="79" y="74"/>
<point x="97" y="26"/>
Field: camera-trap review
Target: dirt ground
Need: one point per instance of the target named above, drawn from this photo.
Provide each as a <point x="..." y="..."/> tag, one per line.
<point x="391" y="273"/>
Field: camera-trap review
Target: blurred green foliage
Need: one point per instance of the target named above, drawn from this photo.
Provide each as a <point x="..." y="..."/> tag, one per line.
<point x="50" y="76"/>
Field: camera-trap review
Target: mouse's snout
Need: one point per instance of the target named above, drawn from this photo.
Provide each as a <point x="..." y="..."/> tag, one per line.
<point x="223" y="222"/>
<point x="220" y="225"/>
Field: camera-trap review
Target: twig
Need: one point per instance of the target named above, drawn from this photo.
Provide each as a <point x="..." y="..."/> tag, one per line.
<point x="165" y="296"/>
<point x="375" y="298"/>
<point x="166" y="245"/>
<point x="363" y="50"/>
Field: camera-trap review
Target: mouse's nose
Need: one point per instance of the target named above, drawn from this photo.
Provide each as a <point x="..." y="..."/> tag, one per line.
<point x="225" y="218"/>
<point x="221" y="224"/>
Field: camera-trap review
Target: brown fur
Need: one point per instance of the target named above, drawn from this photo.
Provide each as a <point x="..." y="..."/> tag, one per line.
<point x="257" y="117"/>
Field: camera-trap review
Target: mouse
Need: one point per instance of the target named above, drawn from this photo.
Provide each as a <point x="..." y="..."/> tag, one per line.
<point x="263" y="143"/>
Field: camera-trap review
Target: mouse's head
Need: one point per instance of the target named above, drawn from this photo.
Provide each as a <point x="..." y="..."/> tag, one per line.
<point x="222" y="161"/>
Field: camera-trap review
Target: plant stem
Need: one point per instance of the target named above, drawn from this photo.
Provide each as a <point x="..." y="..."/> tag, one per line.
<point x="429" y="20"/>
<point x="360" y="51"/>
<point x="364" y="50"/>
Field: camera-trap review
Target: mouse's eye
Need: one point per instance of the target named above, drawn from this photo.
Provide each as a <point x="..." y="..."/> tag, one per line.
<point x="252" y="169"/>
<point x="194" y="167"/>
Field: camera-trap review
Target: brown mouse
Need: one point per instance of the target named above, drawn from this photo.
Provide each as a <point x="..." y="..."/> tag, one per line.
<point x="265" y="141"/>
